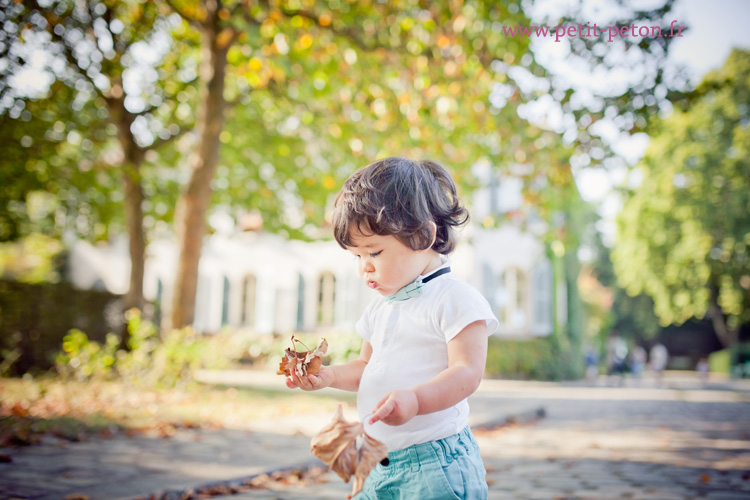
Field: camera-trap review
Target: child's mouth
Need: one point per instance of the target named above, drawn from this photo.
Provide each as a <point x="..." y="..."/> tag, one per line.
<point x="372" y="284"/>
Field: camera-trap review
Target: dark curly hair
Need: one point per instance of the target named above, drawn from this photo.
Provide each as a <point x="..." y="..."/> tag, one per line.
<point x="400" y="197"/>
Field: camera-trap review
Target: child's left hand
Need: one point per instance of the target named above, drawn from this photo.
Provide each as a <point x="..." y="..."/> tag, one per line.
<point x="396" y="408"/>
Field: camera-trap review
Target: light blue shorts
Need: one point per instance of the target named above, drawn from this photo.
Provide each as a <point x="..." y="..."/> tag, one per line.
<point x="449" y="468"/>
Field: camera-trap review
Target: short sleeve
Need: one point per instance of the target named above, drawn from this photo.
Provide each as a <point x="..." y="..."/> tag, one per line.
<point x="460" y="306"/>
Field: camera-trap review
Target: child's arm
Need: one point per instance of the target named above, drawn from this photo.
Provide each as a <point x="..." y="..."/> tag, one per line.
<point x="467" y="355"/>
<point x="345" y="376"/>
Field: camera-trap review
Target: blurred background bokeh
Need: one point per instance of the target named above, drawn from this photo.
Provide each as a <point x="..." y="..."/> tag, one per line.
<point x="168" y="168"/>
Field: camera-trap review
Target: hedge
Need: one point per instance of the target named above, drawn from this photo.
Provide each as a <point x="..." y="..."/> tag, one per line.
<point x="34" y="318"/>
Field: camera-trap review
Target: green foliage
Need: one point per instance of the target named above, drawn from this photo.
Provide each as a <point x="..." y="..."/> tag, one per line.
<point x="66" y="138"/>
<point x="538" y="359"/>
<point x="54" y="176"/>
<point x="34" y="318"/>
<point x="150" y="361"/>
<point x="32" y="259"/>
<point x="684" y="233"/>
<point x="85" y="359"/>
<point x="316" y="91"/>
<point x="631" y="317"/>
<point x="720" y="361"/>
<point x="740" y="360"/>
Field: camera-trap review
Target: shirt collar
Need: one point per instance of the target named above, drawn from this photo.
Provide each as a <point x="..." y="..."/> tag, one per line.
<point x="415" y="287"/>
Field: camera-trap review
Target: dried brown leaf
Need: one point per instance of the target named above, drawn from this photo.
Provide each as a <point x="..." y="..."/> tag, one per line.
<point x="336" y="439"/>
<point x="303" y="362"/>
<point x="370" y="454"/>
<point x="336" y="445"/>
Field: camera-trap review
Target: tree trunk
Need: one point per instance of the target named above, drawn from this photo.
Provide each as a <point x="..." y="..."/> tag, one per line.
<point x="136" y="236"/>
<point x="190" y="216"/>
<point x="727" y="336"/>
<point x="133" y="156"/>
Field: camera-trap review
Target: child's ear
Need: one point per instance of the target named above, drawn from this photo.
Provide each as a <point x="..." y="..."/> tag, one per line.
<point x="434" y="234"/>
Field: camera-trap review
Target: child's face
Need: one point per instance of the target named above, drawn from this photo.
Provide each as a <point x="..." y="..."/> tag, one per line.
<point x="386" y="265"/>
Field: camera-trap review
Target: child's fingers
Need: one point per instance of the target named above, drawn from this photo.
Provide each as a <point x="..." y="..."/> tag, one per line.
<point x="315" y="380"/>
<point x="304" y="382"/>
<point x="385" y="407"/>
<point x="297" y="380"/>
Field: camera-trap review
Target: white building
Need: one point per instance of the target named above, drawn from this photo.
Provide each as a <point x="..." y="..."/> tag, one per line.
<point x="261" y="282"/>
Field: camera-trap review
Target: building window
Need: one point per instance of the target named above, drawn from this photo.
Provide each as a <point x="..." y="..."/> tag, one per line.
<point x="542" y="298"/>
<point x="203" y="305"/>
<point x="158" y="302"/>
<point x="326" y="298"/>
<point x="488" y="284"/>
<point x="225" y="302"/>
<point x="300" y="303"/>
<point x="249" y="286"/>
<point x="512" y="299"/>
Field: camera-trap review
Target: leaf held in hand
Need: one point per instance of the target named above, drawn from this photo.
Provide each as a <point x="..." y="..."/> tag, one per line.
<point x="303" y="362"/>
<point x="348" y="450"/>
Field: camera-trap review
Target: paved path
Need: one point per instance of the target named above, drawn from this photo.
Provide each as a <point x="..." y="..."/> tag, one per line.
<point x="602" y="443"/>
<point x="594" y="443"/>
<point x="123" y="467"/>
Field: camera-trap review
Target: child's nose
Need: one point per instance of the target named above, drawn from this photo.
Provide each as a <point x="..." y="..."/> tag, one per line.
<point x="367" y="266"/>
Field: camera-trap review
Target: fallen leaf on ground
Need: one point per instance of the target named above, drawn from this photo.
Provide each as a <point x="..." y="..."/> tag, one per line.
<point x="283" y="478"/>
<point x="347" y="449"/>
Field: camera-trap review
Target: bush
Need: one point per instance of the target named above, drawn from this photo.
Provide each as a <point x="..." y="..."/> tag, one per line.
<point x="34" y="318"/>
<point x="151" y="361"/>
<point x="720" y="361"/>
<point x="537" y="359"/>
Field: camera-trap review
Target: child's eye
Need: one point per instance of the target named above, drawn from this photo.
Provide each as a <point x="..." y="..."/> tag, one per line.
<point x="376" y="254"/>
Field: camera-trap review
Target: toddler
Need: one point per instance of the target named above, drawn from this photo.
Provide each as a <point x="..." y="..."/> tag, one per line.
<point x="424" y="338"/>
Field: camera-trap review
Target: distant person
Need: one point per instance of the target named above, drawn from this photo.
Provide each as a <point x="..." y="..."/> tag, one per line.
<point x="638" y="358"/>
<point x="703" y="369"/>
<point x="617" y="352"/>
<point x="592" y="364"/>
<point x="658" y="359"/>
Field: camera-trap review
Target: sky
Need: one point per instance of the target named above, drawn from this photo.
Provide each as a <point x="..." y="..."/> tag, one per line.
<point x="715" y="27"/>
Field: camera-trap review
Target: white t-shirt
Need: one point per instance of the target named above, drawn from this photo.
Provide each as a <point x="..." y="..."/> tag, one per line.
<point x="409" y="347"/>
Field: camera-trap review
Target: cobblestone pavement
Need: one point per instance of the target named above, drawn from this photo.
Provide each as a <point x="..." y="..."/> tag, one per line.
<point x="602" y="443"/>
<point x="123" y="467"/>
<point x="680" y="441"/>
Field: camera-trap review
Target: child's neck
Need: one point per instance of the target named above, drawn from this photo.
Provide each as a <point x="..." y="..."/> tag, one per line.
<point x="434" y="262"/>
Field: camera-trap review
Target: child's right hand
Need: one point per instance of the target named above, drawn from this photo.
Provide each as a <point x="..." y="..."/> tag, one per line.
<point x="324" y="378"/>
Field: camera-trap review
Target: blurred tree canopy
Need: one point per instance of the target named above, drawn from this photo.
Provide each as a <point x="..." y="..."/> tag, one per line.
<point x="684" y="232"/>
<point x="632" y="317"/>
<point x="169" y="107"/>
<point x="83" y="140"/>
